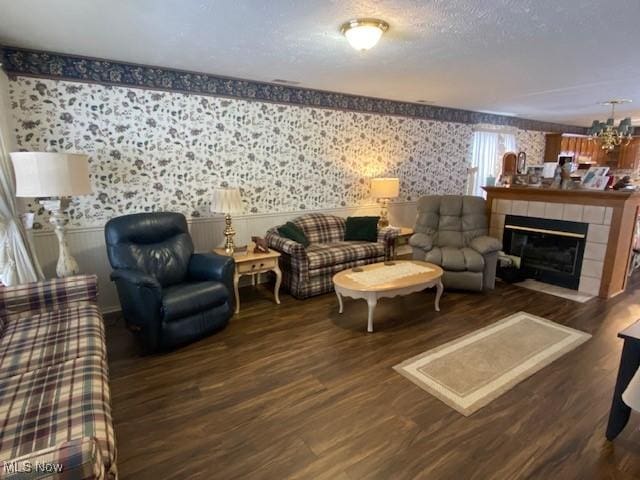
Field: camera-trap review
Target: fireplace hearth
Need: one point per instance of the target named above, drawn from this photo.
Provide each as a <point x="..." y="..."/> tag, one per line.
<point x="549" y="250"/>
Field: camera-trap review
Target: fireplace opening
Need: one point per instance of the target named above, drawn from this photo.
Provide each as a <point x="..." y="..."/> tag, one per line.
<point x="549" y="250"/>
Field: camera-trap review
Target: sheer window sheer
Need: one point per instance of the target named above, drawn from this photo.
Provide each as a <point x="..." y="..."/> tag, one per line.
<point x="509" y="143"/>
<point x="18" y="263"/>
<point x="486" y="156"/>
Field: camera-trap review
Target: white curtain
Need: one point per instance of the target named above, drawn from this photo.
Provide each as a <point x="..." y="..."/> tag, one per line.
<point x="509" y="142"/>
<point x="484" y="158"/>
<point x="18" y="263"/>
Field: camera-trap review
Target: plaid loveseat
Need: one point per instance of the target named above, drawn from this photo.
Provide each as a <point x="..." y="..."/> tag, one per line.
<point x="308" y="271"/>
<point x="54" y="392"/>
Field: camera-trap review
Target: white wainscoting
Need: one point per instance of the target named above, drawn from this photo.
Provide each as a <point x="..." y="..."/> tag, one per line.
<point x="88" y="246"/>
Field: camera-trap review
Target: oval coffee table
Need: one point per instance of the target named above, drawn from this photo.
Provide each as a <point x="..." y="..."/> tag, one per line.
<point x="387" y="288"/>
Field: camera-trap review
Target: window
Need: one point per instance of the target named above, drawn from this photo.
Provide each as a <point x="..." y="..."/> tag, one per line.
<point x="486" y="157"/>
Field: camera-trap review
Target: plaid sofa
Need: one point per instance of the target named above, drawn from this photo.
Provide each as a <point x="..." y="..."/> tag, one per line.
<point x="54" y="391"/>
<point x="309" y="271"/>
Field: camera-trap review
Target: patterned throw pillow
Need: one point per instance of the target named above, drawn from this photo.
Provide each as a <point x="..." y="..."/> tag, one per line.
<point x="293" y="232"/>
<point x="364" y="229"/>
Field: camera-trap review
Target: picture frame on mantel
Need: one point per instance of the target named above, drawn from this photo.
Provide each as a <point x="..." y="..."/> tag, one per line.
<point x="521" y="180"/>
<point x="535" y="175"/>
<point x="596" y="178"/>
<point x="599" y="183"/>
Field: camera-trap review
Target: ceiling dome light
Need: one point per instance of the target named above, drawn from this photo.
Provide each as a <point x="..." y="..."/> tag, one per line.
<point x="363" y="33"/>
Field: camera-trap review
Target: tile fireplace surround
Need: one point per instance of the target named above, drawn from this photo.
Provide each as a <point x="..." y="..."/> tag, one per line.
<point x="610" y="217"/>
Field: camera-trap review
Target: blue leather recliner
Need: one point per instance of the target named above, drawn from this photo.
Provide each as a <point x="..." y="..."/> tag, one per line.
<point x="169" y="295"/>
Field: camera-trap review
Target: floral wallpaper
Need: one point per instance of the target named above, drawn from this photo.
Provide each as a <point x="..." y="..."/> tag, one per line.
<point x="155" y="150"/>
<point x="533" y="144"/>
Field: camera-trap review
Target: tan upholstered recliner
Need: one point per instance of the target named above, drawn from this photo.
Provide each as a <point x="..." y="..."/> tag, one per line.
<point x="452" y="231"/>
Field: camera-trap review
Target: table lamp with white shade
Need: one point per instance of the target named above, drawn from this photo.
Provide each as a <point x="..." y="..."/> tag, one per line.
<point x="228" y="202"/>
<point x="57" y="176"/>
<point x="384" y="189"/>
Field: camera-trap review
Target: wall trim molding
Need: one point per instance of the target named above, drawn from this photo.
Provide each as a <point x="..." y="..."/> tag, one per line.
<point x="72" y="230"/>
<point x="18" y="61"/>
<point x="87" y="244"/>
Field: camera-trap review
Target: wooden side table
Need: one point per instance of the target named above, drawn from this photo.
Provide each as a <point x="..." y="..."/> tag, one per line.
<point x="254" y="264"/>
<point x="401" y="240"/>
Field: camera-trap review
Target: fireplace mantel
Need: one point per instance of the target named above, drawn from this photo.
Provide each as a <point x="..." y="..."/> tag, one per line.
<point x="610" y="198"/>
<point x="611" y="216"/>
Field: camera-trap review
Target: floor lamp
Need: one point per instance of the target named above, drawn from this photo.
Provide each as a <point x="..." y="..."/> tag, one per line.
<point x="56" y="177"/>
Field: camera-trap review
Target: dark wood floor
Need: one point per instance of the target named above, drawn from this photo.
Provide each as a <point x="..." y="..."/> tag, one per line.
<point x="298" y="391"/>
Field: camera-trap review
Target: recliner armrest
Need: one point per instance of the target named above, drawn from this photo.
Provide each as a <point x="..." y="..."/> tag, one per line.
<point x="421" y="240"/>
<point x="141" y="301"/>
<point x="210" y="266"/>
<point x="485" y="244"/>
<point x="135" y="277"/>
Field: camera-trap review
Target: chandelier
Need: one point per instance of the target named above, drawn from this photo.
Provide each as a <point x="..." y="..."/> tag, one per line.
<point x="607" y="133"/>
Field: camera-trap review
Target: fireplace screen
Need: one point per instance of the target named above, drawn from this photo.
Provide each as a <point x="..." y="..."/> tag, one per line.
<point x="549" y="250"/>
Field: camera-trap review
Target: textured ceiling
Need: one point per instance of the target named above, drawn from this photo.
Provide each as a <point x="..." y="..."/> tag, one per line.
<point x="548" y="60"/>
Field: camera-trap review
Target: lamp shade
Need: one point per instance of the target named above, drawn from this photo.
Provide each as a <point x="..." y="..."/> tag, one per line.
<point x="385" y="187"/>
<point x="44" y="174"/>
<point x="226" y="200"/>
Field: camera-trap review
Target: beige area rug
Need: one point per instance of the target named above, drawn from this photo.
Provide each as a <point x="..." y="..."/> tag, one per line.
<point x="471" y="371"/>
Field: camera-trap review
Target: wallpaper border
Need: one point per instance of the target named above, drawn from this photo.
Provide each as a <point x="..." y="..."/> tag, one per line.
<point x="35" y="63"/>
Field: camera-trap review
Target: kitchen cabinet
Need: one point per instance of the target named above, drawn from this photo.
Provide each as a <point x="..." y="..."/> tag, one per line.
<point x="629" y="156"/>
<point x="579" y="146"/>
<point x="588" y="151"/>
<point x="552" y="147"/>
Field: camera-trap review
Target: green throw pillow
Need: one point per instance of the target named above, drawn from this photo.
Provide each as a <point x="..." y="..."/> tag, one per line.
<point x="364" y="229"/>
<point x="293" y="232"/>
